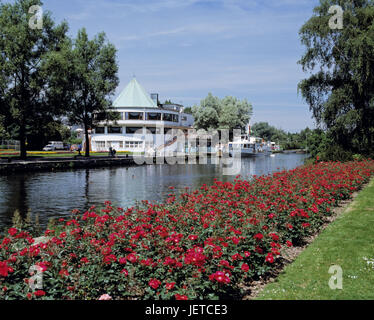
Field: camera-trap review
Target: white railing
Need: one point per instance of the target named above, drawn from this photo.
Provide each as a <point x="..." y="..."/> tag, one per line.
<point x="10" y="145"/>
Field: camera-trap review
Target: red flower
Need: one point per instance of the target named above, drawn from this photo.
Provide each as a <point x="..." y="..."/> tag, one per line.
<point x="12" y="231"/>
<point x="220" y="277"/>
<point x="180" y="297"/>
<point x="170" y="286"/>
<point x="125" y="272"/>
<point x="258" y="236"/>
<point x="62" y="235"/>
<point x="269" y="258"/>
<point x="259" y="250"/>
<point x="132" y="258"/>
<point x="245" y="267"/>
<point x="192" y="237"/>
<point x="84" y="260"/>
<point x="39" y="293"/>
<point x="235" y="240"/>
<point x="154" y="283"/>
<point x="43" y="265"/>
<point x="109" y="259"/>
<point x="289" y="244"/>
<point x="63" y="273"/>
<point x="306" y="225"/>
<point x="4" y="269"/>
<point x="195" y="257"/>
<point x="274" y="236"/>
<point x="122" y="260"/>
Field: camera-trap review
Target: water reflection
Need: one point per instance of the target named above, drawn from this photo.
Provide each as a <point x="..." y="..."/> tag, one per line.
<point x="55" y="194"/>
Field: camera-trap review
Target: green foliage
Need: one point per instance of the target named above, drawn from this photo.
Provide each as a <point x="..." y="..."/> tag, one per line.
<point x="86" y="72"/>
<point x="48" y="130"/>
<point x="227" y="113"/>
<point x="25" y="91"/>
<point x="287" y="140"/>
<point x="321" y="145"/>
<point x="188" y="110"/>
<point x="268" y="132"/>
<point x="73" y="139"/>
<point x="339" y="91"/>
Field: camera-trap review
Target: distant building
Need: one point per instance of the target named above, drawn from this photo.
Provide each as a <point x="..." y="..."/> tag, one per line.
<point x="141" y="113"/>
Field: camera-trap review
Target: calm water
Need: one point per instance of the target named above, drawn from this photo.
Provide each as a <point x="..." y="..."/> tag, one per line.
<point x="55" y="194"/>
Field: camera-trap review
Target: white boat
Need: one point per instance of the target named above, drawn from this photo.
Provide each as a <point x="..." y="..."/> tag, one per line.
<point x="249" y="146"/>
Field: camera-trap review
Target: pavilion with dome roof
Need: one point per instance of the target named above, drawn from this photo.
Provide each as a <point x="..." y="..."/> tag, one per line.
<point x="140" y="113"/>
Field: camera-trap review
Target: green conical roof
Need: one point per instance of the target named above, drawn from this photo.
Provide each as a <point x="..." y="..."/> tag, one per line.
<point x="134" y="95"/>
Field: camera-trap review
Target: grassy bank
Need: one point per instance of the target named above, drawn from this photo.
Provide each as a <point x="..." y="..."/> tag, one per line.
<point x="348" y="242"/>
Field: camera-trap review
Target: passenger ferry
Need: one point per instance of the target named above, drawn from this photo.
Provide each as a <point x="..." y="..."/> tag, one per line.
<point x="250" y="146"/>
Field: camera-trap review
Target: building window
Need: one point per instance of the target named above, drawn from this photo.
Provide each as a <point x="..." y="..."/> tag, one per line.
<point x="168" y="117"/>
<point x="101" y="116"/>
<point x="153" y="116"/>
<point x="115" y="144"/>
<point x="100" y="144"/>
<point x="152" y="130"/>
<point x="175" y="118"/>
<point x="99" y="130"/>
<point x="133" y="144"/>
<point x="134" y="116"/>
<point x="130" y="130"/>
<point x="115" y="130"/>
<point x="149" y="144"/>
<point x="168" y="131"/>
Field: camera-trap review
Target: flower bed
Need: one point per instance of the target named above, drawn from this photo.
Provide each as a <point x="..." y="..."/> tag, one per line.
<point x="200" y="245"/>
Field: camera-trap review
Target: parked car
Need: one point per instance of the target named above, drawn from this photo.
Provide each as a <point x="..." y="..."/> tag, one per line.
<point x="54" y="145"/>
<point x="49" y="147"/>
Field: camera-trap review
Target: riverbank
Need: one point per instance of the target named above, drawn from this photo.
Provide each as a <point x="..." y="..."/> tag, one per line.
<point x="35" y="164"/>
<point x="54" y="164"/>
<point x="208" y="242"/>
<point x="347" y="243"/>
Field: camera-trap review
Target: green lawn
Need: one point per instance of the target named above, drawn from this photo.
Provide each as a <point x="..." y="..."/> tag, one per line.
<point x="349" y="243"/>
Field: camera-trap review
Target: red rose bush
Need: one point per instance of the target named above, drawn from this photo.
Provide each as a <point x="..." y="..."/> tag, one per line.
<point x="202" y="244"/>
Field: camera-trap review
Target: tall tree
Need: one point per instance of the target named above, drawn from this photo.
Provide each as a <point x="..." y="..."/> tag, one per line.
<point x="207" y="113"/>
<point x="340" y="89"/>
<point x="90" y="70"/>
<point x="23" y="50"/>
<point x="227" y="113"/>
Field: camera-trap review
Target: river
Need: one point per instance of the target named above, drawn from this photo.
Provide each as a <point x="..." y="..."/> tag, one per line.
<point x="56" y="194"/>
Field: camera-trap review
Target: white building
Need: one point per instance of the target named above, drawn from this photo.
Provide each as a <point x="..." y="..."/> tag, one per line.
<point x="141" y="121"/>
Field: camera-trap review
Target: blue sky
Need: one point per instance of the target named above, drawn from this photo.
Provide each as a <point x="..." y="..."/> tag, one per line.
<point x="184" y="49"/>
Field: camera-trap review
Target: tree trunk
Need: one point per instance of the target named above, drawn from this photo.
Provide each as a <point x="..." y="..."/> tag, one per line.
<point x="87" y="143"/>
<point x="22" y="142"/>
